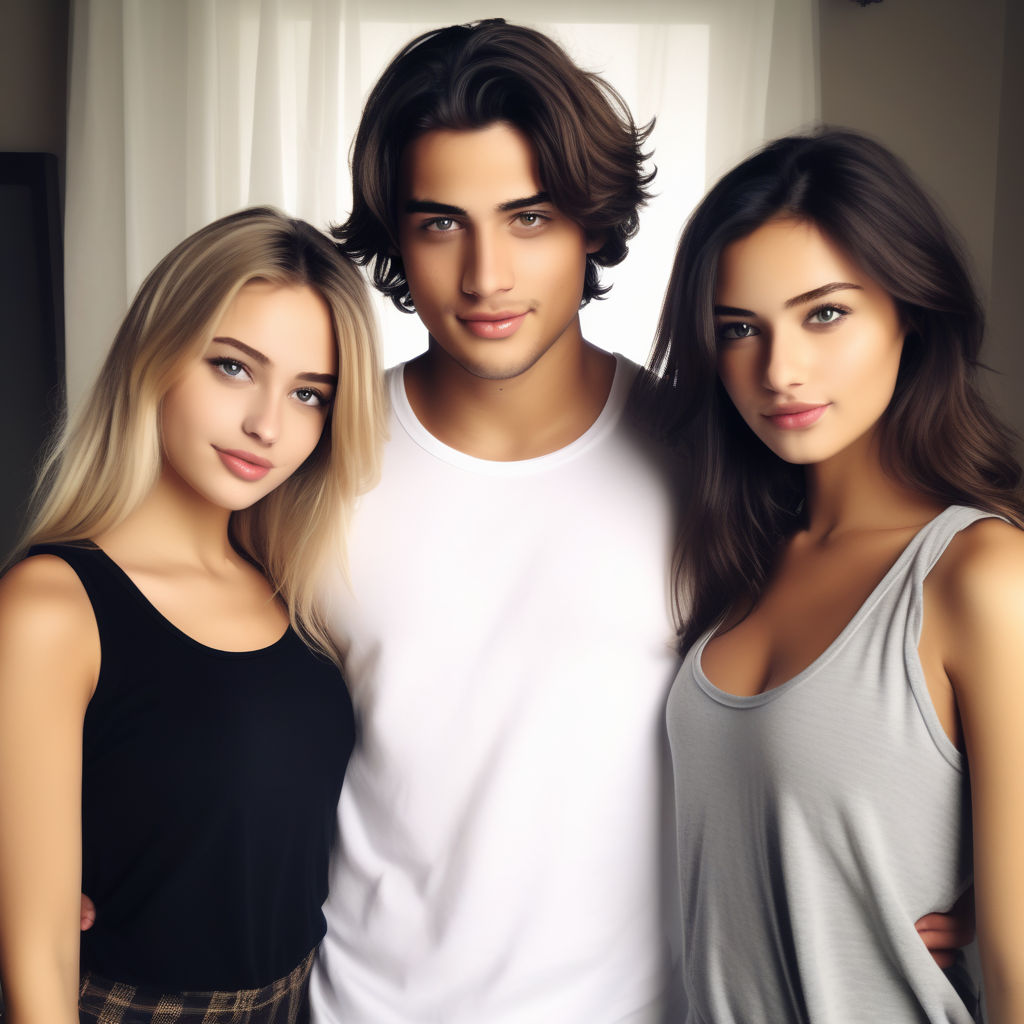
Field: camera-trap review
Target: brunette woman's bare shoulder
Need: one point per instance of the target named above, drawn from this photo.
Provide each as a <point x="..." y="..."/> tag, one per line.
<point x="983" y="564"/>
<point x="47" y="626"/>
<point x="977" y="589"/>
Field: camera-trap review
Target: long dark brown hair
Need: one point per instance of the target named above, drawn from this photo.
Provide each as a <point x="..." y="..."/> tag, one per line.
<point x="937" y="436"/>
<point x="464" y="77"/>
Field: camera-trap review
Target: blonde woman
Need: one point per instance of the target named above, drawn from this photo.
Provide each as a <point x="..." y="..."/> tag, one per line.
<point x="168" y="742"/>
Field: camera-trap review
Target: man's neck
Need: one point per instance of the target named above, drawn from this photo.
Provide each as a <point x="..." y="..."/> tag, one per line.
<point x="535" y="413"/>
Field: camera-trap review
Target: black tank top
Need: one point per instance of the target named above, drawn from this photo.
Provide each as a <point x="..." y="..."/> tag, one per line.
<point x="209" y="796"/>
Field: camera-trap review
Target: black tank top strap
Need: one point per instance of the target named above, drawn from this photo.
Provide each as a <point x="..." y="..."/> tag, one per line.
<point x="102" y="579"/>
<point x="119" y="608"/>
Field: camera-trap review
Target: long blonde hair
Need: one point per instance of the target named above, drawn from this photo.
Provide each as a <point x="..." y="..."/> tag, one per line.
<point x="102" y="464"/>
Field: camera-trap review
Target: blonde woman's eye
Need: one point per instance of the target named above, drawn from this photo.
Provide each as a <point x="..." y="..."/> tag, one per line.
<point x="229" y="367"/>
<point x="310" y="396"/>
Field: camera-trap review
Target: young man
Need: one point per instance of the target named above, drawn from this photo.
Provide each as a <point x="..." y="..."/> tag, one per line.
<point x="504" y="820"/>
<point x="510" y="643"/>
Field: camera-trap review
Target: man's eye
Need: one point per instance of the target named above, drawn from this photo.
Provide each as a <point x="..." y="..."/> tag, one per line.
<point x="441" y="224"/>
<point x="531" y="218"/>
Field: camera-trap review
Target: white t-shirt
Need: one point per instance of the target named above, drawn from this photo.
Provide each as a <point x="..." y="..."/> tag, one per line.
<point x="505" y="828"/>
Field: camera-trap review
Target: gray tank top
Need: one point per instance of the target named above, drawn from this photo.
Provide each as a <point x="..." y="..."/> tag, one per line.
<point x="819" y="820"/>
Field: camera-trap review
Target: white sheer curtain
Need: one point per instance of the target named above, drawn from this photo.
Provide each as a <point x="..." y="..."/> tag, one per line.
<point x="183" y="110"/>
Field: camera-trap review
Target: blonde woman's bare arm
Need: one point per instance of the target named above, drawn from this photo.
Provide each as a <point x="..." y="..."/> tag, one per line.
<point x="49" y="662"/>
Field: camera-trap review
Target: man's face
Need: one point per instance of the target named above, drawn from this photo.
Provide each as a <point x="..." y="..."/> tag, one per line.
<point x="495" y="270"/>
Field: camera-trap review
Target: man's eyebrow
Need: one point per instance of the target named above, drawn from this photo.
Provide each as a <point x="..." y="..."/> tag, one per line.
<point x="256" y="356"/>
<point x="817" y="293"/>
<point x="447" y="210"/>
<point x="521" y="204"/>
<point x="431" y="206"/>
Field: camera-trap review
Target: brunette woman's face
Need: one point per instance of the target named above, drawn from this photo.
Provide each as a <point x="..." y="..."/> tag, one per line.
<point x="248" y="411"/>
<point x="808" y="344"/>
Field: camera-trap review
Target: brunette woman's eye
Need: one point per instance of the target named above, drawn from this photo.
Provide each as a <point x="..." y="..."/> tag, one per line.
<point x="735" y="330"/>
<point x="825" y="315"/>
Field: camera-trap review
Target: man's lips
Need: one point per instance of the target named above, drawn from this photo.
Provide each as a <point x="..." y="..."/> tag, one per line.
<point x="244" y="465"/>
<point x="797" y="415"/>
<point x="493" y="325"/>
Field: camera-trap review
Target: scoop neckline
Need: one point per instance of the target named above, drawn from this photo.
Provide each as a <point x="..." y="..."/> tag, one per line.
<point x="775" y="692"/>
<point x="141" y="598"/>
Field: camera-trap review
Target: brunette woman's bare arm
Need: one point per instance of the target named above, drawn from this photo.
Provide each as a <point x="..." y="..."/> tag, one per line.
<point x="979" y="598"/>
<point x="49" y="662"/>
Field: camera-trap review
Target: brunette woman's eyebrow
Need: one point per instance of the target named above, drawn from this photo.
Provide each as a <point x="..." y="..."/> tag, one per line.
<point x="817" y="293"/>
<point x="732" y="311"/>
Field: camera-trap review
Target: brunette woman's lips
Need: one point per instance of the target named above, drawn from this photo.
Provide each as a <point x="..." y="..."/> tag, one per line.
<point x="493" y="326"/>
<point x="793" y="417"/>
<point x="244" y="465"/>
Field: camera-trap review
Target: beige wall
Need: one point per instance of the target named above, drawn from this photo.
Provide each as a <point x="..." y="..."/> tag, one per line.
<point x="927" y="78"/>
<point x="33" y="76"/>
<point x="1007" y="327"/>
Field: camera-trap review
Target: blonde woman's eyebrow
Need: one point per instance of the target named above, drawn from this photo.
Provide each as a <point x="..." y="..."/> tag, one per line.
<point x="252" y="353"/>
<point x="257" y="356"/>
<point x="318" y="378"/>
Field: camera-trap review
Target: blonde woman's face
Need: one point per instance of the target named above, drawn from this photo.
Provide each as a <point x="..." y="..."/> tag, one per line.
<point x="249" y="410"/>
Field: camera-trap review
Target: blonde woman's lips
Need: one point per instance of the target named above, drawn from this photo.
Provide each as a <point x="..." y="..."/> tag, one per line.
<point x="244" y="465"/>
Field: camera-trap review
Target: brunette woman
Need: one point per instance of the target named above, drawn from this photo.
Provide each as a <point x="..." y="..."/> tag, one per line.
<point x="846" y="727"/>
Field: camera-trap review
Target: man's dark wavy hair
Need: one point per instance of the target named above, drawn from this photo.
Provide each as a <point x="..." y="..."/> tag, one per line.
<point x="466" y="77"/>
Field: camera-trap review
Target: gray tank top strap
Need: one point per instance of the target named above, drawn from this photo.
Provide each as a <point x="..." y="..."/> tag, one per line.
<point x="930" y="543"/>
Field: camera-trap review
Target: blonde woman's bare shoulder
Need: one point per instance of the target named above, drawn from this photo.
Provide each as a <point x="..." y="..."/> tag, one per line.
<point x="47" y="627"/>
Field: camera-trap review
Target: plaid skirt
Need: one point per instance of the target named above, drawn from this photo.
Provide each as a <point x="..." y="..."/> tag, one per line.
<point x="284" y="1001"/>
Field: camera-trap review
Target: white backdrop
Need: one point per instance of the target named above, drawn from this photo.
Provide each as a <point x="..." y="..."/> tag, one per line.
<point x="183" y="110"/>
